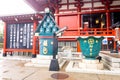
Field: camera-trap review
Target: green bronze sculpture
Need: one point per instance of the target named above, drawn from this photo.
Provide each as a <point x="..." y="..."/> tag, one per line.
<point x="90" y="46"/>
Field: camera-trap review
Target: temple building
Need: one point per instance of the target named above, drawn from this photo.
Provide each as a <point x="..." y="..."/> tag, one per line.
<point x="82" y="17"/>
<point x="74" y="19"/>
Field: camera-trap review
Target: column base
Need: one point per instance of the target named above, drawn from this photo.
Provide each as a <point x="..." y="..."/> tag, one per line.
<point x="4" y="54"/>
<point x="54" y="65"/>
<point x="33" y="55"/>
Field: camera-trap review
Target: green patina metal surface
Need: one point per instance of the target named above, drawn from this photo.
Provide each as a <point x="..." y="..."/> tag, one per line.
<point x="47" y="27"/>
<point x="90" y="46"/>
<point x="48" y="46"/>
<point x="48" y="40"/>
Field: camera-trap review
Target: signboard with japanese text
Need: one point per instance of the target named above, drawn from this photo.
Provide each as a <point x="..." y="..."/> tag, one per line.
<point x="20" y="36"/>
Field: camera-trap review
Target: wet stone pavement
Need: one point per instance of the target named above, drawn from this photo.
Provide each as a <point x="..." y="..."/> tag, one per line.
<point x="15" y="70"/>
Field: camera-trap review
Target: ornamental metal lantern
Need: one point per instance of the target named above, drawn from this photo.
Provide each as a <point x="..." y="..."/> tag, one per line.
<point x="48" y="33"/>
<point x="47" y="38"/>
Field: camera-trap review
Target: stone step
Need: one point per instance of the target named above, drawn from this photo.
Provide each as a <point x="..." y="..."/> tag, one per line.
<point x="113" y="64"/>
<point x="111" y="68"/>
<point x="110" y="62"/>
<point x="90" y="61"/>
<point x="97" y="66"/>
<point x="110" y="58"/>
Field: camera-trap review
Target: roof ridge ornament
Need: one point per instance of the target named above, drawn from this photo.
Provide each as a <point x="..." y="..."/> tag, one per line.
<point x="47" y="10"/>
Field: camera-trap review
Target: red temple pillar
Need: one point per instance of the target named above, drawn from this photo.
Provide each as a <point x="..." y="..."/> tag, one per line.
<point x="34" y="39"/>
<point x="57" y="16"/>
<point x="108" y="20"/>
<point x="79" y="26"/>
<point x="4" y="41"/>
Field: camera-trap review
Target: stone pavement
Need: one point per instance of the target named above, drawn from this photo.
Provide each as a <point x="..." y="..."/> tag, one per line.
<point x="12" y="68"/>
<point x="15" y="70"/>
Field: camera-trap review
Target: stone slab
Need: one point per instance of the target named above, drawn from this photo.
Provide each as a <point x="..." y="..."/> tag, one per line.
<point x="44" y="64"/>
<point x="112" y="68"/>
<point x="97" y="66"/>
<point x="110" y="62"/>
<point x="110" y="58"/>
<point x="70" y="68"/>
<point x="43" y="57"/>
<point x="40" y="61"/>
<point x="115" y="64"/>
<point x="90" y="61"/>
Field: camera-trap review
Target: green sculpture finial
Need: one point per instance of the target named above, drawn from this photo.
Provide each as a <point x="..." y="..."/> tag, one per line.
<point x="47" y="10"/>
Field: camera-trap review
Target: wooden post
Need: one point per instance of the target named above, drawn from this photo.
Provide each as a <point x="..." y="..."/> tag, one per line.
<point x="5" y="38"/>
<point x="108" y="20"/>
<point x="78" y="25"/>
<point x="34" y="39"/>
<point x="78" y="47"/>
<point x="57" y="16"/>
<point x="114" y="45"/>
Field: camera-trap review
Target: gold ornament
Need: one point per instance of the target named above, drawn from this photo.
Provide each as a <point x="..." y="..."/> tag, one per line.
<point x="85" y="41"/>
<point x="96" y="41"/>
<point x="51" y="42"/>
<point x="91" y="41"/>
<point x="45" y="43"/>
<point x="90" y="54"/>
<point x="45" y="51"/>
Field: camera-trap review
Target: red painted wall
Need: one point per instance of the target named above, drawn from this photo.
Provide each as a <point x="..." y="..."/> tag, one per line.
<point x="70" y="21"/>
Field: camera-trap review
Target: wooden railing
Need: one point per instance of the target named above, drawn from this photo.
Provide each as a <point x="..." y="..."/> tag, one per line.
<point x="97" y="32"/>
<point x="90" y="32"/>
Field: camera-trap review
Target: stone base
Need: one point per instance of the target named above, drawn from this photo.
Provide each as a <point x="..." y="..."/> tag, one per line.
<point x="73" y="66"/>
<point x="54" y="65"/>
<point x="90" y="61"/>
<point x="45" y="57"/>
<point x="91" y="64"/>
<point x="44" y="61"/>
<point x="110" y="62"/>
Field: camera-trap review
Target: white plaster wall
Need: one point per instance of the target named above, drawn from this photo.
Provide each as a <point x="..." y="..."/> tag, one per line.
<point x="85" y="10"/>
<point x="64" y="1"/>
<point x="115" y="3"/>
<point x="63" y="7"/>
<point x="98" y="4"/>
<point x="72" y="7"/>
<point x="72" y="1"/>
<point x="87" y="5"/>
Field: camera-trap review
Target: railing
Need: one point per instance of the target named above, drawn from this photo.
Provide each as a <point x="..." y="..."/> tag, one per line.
<point x="90" y="32"/>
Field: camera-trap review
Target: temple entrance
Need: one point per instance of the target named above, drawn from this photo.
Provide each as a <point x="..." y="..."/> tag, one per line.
<point x="94" y="20"/>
